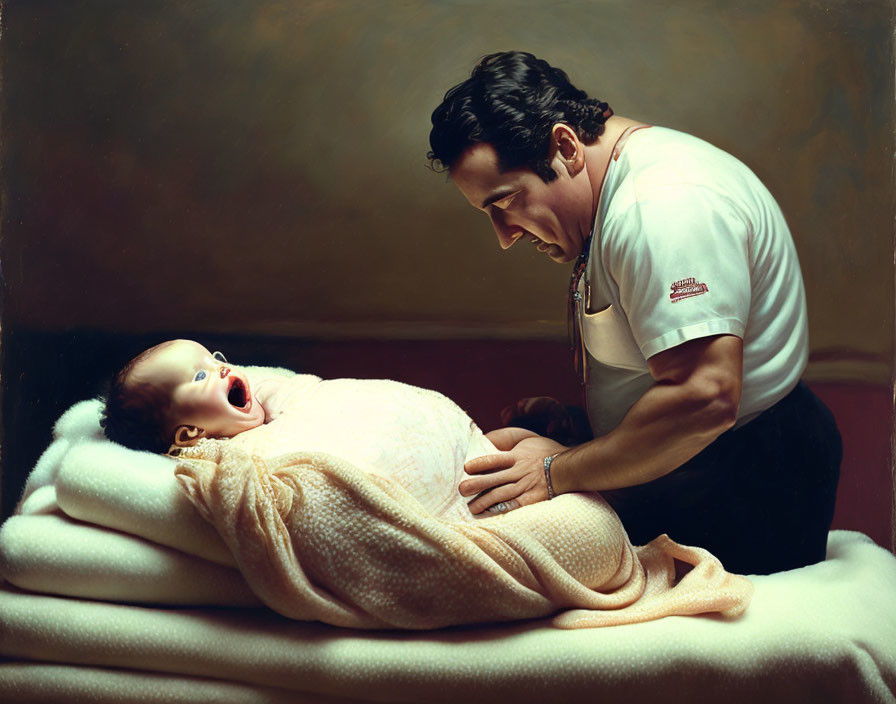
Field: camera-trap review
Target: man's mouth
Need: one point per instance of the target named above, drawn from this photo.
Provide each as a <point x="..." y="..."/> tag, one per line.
<point x="237" y="395"/>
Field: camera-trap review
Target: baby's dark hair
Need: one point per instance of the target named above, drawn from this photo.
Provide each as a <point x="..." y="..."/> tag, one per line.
<point x="135" y="413"/>
<point x="512" y="101"/>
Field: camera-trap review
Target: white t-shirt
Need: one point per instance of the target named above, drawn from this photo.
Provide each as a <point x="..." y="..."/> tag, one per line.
<point x="688" y="243"/>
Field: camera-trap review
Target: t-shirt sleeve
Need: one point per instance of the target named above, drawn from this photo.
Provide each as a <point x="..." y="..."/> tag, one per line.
<point x="680" y="260"/>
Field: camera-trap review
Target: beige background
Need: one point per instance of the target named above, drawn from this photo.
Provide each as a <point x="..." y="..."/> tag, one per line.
<point x="260" y="167"/>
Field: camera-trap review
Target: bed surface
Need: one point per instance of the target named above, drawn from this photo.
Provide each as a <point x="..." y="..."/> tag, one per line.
<point x="820" y="633"/>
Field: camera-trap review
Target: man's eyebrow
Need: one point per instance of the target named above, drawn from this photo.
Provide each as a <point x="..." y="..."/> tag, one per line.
<point x="500" y="194"/>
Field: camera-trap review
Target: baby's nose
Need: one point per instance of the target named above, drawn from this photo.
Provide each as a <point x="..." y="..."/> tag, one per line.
<point x="224" y="371"/>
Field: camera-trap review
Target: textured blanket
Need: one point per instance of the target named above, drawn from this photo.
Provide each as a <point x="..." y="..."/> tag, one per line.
<point x="386" y="541"/>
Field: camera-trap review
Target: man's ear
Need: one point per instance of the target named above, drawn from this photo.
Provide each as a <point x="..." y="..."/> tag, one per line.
<point x="187" y="435"/>
<point x="569" y="148"/>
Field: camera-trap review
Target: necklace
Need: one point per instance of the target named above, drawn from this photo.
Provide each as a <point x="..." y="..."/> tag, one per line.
<point x="574" y="297"/>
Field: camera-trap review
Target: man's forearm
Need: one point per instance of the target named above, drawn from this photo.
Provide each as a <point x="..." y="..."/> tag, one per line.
<point x="665" y="428"/>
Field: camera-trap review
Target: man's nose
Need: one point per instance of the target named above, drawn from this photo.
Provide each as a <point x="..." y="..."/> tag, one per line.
<point x="507" y="234"/>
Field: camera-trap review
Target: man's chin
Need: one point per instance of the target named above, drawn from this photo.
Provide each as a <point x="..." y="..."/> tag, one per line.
<point x="562" y="257"/>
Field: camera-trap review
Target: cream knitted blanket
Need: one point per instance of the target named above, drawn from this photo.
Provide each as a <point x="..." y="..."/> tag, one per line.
<point x="387" y="546"/>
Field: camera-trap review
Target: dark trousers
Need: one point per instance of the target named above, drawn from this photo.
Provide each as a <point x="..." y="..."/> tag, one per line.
<point x="760" y="498"/>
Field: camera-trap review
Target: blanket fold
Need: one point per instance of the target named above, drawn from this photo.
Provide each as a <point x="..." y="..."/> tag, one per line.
<point x="53" y="554"/>
<point x="318" y="539"/>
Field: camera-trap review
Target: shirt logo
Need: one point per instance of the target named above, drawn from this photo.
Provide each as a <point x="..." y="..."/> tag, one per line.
<point x="686" y="288"/>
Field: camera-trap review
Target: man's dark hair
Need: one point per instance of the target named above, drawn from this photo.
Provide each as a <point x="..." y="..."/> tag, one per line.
<point x="512" y="100"/>
<point x="135" y="413"/>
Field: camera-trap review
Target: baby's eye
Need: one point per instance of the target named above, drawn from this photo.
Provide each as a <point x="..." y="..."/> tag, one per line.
<point x="200" y="375"/>
<point x="219" y="357"/>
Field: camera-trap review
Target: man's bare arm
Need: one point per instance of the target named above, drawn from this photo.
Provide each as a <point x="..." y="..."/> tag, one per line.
<point x="695" y="400"/>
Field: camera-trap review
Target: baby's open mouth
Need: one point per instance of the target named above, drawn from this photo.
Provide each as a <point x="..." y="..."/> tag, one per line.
<point x="236" y="394"/>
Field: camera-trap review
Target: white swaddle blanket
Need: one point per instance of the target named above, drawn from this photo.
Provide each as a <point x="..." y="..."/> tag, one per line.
<point x="417" y="438"/>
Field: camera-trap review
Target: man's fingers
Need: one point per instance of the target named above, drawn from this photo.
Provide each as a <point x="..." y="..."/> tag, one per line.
<point x="488" y="463"/>
<point x="507" y="438"/>
<point x="500" y="507"/>
<point x="500" y="494"/>
<point x="483" y="482"/>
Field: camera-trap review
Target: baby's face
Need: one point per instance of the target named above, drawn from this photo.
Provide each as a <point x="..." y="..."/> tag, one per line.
<point x="205" y="393"/>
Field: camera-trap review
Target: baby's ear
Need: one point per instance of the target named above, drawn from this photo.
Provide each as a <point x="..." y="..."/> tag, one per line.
<point x="187" y="435"/>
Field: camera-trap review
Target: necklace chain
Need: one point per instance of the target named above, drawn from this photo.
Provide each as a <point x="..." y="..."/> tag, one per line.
<point x="574" y="299"/>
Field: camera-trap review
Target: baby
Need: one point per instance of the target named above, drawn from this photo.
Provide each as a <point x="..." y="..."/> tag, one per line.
<point x="178" y="392"/>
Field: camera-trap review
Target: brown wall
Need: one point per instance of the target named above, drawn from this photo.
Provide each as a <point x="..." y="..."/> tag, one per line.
<point x="260" y="166"/>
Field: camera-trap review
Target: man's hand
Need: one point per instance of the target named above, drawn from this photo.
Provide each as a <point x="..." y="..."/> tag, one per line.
<point x="516" y="475"/>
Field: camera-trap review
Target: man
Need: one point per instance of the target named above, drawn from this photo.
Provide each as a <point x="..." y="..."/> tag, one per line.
<point x="689" y="303"/>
